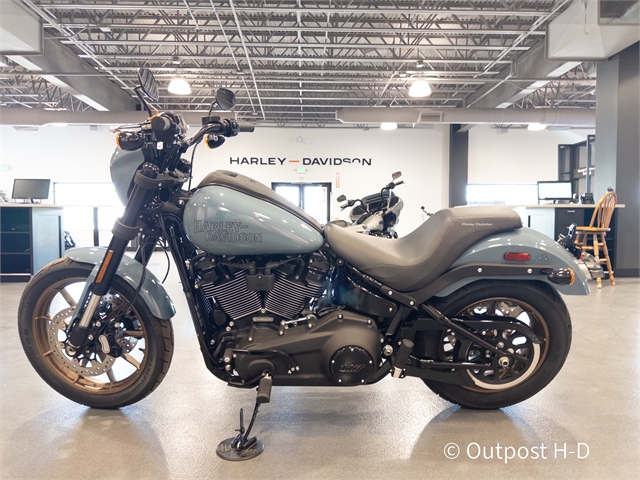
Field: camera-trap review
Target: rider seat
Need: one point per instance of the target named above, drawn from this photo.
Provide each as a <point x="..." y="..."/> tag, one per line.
<point x="412" y="262"/>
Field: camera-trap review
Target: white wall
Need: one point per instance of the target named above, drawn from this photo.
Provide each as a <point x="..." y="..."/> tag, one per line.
<point x="519" y="156"/>
<point x="76" y="154"/>
<point x="63" y="154"/>
<point x="421" y="155"/>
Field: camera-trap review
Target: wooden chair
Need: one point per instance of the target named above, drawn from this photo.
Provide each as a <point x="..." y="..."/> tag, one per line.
<point x="598" y="229"/>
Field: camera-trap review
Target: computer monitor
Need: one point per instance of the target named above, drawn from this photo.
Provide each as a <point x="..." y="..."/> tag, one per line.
<point x="31" y="189"/>
<point x="559" y="190"/>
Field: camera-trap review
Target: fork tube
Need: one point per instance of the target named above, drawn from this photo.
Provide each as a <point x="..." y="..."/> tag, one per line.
<point x="124" y="230"/>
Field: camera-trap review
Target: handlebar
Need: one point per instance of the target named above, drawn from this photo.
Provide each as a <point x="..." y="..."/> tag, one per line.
<point x="162" y="123"/>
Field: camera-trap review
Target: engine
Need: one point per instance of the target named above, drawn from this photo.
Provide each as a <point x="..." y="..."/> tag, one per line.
<point x="268" y="320"/>
<point x="279" y="289"/>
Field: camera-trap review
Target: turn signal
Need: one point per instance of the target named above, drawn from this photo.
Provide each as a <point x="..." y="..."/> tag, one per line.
<point x="213" y="141"/>
<point x="562" y="276"/>
<point x="517" y="256"/>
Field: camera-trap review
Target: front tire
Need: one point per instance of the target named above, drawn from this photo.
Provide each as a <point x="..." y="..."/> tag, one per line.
<point x="144" y="343"/>
<point x="535" y="304"/>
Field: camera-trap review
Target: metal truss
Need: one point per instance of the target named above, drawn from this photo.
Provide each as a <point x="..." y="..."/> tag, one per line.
<point x="294" y="62"/>
<point x="576" y="88"/>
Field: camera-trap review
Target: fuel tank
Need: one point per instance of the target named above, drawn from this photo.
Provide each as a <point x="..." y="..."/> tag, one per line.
<point x="222" y="220"/>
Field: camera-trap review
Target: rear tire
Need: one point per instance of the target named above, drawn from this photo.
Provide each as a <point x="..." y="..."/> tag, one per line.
<point x="94" y="379"/>
<point x="536" y="304"/>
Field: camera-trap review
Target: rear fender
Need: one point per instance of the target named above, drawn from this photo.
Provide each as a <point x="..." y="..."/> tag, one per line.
<point x="543" y="251"/>
<point x="130" y="270"/>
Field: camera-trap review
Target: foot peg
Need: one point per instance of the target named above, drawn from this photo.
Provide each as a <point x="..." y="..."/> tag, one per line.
<point x="264" y="389"/>
<point x="242" y="446"/>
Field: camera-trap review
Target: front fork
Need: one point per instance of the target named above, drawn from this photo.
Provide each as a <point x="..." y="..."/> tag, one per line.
<point x="124" y="230"/>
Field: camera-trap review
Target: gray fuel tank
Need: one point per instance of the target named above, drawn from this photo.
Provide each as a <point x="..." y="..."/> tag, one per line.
<point x="224" y="221"/>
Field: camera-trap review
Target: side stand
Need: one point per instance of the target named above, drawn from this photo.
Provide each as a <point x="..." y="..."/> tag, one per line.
<point x="242" y="447"/>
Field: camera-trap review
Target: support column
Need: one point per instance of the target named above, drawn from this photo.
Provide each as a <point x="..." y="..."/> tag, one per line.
<point x="458" y="165"/>
<point x="618" y="151"/>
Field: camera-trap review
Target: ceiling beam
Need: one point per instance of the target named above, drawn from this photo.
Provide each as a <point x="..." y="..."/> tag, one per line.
<point x="99" y="93"/>
<point x="309" y="11"/>
<point x="530" y="65"/>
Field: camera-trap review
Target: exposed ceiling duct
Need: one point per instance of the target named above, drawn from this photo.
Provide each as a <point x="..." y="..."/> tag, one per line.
<point x="40" y="117"/>
<point x="21" y="31"/>
<point x="569" y="117"/>
<point x="593" y="30"/>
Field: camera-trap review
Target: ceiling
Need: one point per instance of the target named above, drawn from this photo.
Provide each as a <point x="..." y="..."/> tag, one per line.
<point x="294" y="62"/>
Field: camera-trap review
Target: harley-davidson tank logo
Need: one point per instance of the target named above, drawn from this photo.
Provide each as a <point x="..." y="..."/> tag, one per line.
<point x="351" y="368"/>
<point x="225" y="232"/>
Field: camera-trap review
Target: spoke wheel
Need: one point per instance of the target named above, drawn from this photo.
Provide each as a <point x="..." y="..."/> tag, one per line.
<point x="529" y="366"/>
<point x="128" y="356"/>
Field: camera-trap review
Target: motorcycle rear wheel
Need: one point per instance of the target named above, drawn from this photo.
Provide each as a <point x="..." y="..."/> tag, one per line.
<point x="94" y="379"/>
<point x="537" y="305"/>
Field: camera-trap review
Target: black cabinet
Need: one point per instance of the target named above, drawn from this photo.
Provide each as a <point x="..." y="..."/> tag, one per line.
<point x="567" y="216"/>
<point x="30" y="237"/>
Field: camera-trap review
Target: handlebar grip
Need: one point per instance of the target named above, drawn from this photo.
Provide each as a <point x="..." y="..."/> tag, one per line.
<point x="160" y="124"/>
<point x="246" y="127"/>
<point x="400" y="182"/>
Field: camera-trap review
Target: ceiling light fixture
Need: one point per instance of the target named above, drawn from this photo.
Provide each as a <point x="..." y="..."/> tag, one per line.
<point x="388" y="125"/>
<point x="179" y="86"/>
<point x="420" y="88"/>
<point x="534" y="127"/>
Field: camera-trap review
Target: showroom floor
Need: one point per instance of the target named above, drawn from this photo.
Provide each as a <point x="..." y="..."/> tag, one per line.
<point x="394" y="429"/>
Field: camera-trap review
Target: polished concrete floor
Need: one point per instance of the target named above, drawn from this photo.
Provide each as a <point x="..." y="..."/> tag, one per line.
<point x="584" y="425"/>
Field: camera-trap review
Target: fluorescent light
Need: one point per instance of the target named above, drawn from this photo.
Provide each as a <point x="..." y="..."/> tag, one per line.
<point x="388" y="125"/>
<point x="179" y="86"/>
<point x="536" y="126"/>
<point x="420" y="88"/>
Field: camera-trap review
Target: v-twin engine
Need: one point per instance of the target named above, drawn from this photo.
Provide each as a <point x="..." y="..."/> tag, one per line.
<point x="268" y="320"/>
<point x="279" y="292"/>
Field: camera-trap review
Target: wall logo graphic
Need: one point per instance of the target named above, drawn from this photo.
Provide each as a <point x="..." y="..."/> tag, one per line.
<point x="332" y="161"/>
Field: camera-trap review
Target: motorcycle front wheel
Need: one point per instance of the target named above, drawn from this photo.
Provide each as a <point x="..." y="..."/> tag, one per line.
<point x="142" y="344"/>
<point x="535" y="365"/>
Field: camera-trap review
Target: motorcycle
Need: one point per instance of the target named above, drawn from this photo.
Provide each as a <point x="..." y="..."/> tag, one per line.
<point x="588" y="263"/>
<point x="468" y="302"/>
<point x="376" y="214"/>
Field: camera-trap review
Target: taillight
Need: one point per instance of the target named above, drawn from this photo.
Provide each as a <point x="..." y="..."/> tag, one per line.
<point x="517" y="257"/>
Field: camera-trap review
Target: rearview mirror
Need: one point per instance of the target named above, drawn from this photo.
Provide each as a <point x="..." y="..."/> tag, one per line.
<point x="148" y="84"/>
<point x="225" y="99"/>
<point x="342" y="198"/>
<point x="396" y="175"/>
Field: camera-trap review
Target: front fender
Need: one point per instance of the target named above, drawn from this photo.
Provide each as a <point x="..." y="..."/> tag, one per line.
<point x="130" y="270"/>
<point x="543" y="251"/>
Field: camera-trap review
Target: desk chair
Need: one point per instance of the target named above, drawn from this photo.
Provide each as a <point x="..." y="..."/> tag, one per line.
<point x="598" y="229"/>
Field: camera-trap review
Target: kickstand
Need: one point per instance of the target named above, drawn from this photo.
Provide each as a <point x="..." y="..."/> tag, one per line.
<point x="243" y="447"/>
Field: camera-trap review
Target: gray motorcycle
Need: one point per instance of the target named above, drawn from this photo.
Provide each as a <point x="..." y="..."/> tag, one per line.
<point x="468" y="302"/>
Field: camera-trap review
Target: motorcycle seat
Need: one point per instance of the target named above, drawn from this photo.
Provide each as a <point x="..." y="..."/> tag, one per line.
<point x="414" y="261"/>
